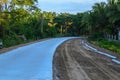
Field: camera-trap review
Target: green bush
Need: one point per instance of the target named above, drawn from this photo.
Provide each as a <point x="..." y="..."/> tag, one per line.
<point x="95" y="36"/>
<point x="11" y="40"/>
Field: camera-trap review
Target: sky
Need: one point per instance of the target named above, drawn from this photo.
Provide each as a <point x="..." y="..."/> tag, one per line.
<point x="67" y="6"/>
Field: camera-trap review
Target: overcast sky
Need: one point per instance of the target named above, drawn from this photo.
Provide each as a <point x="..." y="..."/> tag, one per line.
<point x="68" y="6"/>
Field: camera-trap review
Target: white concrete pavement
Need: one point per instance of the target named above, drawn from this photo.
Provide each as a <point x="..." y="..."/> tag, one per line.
<point x="31" y="62"/>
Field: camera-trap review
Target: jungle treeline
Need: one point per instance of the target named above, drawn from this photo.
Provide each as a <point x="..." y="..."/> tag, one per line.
<point x="22" y="21"/>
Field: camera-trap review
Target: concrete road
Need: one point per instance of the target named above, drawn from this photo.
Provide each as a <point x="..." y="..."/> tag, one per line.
<point x="32" y="62"/>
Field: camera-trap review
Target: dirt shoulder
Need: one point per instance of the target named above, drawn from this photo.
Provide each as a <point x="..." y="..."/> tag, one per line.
<point x="73" y="62"/>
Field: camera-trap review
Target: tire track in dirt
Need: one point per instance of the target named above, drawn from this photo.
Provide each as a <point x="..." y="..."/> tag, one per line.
<point x="73" y="62"/>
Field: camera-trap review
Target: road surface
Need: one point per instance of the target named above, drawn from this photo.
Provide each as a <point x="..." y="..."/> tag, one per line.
<point x="32" y="62"/>
<point x="73" y="61"/>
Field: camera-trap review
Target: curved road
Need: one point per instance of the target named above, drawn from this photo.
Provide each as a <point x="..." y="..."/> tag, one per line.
<point x="74" y="61"/>
<point x="32" y="62"/>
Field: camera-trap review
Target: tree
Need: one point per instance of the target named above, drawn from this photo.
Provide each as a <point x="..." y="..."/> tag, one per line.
<point x="88" y="22"/>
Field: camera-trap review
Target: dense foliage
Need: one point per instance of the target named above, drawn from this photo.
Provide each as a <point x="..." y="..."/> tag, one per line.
<point x="22" y="21"/>
<point x="103" y="19"/>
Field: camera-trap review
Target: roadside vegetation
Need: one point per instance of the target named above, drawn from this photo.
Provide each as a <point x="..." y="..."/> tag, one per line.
<point x="108" y="44"/>
<point x="22" y="21"/>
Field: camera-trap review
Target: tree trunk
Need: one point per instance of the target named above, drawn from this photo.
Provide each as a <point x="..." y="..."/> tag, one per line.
<point x="6" y="8"/>
<point x="119" y="35"/>
<point x="42" y="21"/>
<point x="61" y="30"/>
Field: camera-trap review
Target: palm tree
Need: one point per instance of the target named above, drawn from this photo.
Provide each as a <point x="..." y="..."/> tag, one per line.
<point x="113" y="10"/>
<point x="96" y="19"/>
<point x="99" y="10"/>
<point x="89" y="22"/>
